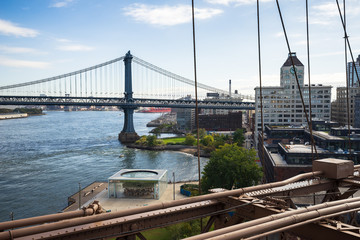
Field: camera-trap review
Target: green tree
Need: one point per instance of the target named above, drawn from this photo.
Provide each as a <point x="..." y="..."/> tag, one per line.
<point x="184" y="230"/>
<point x="202" y="133"/>
<point x="208" y="140"/>
<point x="231" y="166"/>
<point x="157" y="131"/>
<point x="141" y="141"/>
<point x="151" y="140"/>
<point x="5" y="110"/>
<point x="220" y="140"/>
<point x="190" y="140"/>
<point x="239" y="137"/>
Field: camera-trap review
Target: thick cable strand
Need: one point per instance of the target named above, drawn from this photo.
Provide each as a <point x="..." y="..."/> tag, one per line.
<point x="308" y="60"/>
<point x="261" y="99"/>
<point x="296" y="77"/>
<point x="196" y="100"/>
<point x="347" y="81"/>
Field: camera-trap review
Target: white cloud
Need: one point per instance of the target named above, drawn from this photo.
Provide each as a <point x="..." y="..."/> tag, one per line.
<point x="300" y="43"/>
<point x="8" y="28"/>
<point x="279" y="34"/>
<point x="75" y="48"/>
<point x="168" y="15"/>
<point x="327" y="9"/>
<point x="16" y="49"/>
<point x="326" y="13"/>
<point x="60" y="4"/>
<point x="236" y="2"/>
<point x="22" y="63"/>
<point x="19" y="50"/>
<point x="333" y="79"/>
<point x="290" y="35"/>
<point x="62" y="40"/>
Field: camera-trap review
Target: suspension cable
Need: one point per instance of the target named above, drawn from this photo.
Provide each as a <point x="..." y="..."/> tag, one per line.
<point x="196" y="100"/>
<point x="347" y="39"/>
<point x="347" y="82"/>
<point x="261" y="99"/>
<point x="353" y="62"/>
<point x="296" y="77"/>
<point x="308" y="60"/>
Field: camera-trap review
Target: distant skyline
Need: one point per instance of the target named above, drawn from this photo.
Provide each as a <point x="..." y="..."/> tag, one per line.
<point x="44" y="38"/>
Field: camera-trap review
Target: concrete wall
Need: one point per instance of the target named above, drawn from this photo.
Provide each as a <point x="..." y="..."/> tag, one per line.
<point x="13" y="116"/>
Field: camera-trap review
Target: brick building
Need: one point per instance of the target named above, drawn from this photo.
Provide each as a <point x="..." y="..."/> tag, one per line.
<point x="221" y="122"/>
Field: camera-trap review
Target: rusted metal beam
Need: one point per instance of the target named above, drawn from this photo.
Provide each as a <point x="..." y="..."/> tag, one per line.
<point x="132" y="224"/>
<point x="262" y="213"/>
<point x="302" y="188"/>
<point x="288" y="221"/>
<point x="350" y="192"/>
<point x="208" y="224"/>
<point x="90" y="210"/>
<point x="139" y="235"/>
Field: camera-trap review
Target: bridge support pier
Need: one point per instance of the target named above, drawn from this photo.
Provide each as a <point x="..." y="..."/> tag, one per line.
<point x="128" y="134"/>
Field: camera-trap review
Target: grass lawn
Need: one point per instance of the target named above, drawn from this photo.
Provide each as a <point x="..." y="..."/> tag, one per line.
<point x="174" y="140"/>
<point x="157" y="234"/>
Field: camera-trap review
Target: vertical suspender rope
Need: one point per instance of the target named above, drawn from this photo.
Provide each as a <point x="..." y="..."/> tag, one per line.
<point x="91" y="83"/>
<point x="296" y="77"/>
<point x="354" y="66"/>
<point x="65" y="85"/>
<point x="86" y="86"/>
<point x="76" y="85"/>
<point x="308" y="59"/>
<point x="196" y="100"/>
<point x="95" y="83"/>
<point x="261" y="99"/>
<point x="106" y="69"/>
<point x="196" y="103"/>
<point x="347" y="83"/>
<point x="347" y="40"/>
<point x="81" y="90"/>
<point x="101" y="82"/>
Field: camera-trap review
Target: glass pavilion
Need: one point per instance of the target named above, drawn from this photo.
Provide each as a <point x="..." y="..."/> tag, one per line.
<point x="138" y="183"/>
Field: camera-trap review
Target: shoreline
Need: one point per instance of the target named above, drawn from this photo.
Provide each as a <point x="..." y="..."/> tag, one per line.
<point x="8" y="116"/>
<point x="180" y="148"/>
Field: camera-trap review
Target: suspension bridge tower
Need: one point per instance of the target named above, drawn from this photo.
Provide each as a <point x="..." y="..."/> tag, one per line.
<point x="128" y="134"/>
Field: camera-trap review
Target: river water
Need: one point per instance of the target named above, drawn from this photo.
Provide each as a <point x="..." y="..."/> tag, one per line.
<point x="44" y="158"/>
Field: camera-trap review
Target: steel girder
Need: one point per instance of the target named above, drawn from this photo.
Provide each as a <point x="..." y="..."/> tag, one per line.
<point x="132" y="224"/>
<point x="121" y="102"/>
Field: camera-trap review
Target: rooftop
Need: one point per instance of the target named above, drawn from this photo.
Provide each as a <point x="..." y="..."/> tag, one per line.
<point x="138" y="174"/>
<point x="326" y="135"/>
<point x="302" y="148"/>
<point x="296" y="61"/>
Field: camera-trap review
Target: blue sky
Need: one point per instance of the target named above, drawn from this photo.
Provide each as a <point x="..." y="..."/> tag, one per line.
<point x="44" y="38"/>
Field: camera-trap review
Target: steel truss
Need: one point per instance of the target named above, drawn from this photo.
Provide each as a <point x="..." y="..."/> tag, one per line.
<point x="250" y="212"/>
<point x="121" y="102"/>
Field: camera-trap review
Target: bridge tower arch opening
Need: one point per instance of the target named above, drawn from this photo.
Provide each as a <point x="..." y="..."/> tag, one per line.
<point x="128" y="134"/>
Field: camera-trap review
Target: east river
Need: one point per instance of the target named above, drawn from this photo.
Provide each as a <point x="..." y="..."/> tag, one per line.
<point x="44" y="158"/>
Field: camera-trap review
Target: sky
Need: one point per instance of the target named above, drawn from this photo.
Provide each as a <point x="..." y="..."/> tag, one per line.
<point x="45" y="38"/>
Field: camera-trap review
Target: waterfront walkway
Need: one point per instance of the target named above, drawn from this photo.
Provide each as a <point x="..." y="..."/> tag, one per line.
<point x="87" y="194"/>
<point x="100" y="194"/>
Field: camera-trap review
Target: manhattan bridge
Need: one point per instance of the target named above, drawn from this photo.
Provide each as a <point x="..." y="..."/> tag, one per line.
<point x="127" y="82"/>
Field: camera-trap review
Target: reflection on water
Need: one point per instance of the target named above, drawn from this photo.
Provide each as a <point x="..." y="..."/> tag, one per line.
<point x="129" y="158"/>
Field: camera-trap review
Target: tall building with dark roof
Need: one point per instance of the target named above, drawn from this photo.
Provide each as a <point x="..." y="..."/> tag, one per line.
<point x="339" y="111"/>
<point x="282" y="104"/>
<point x="352" y="70"/>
